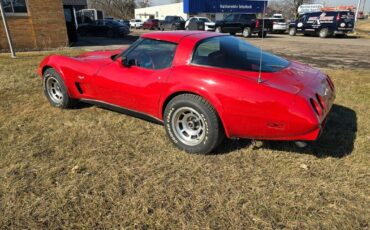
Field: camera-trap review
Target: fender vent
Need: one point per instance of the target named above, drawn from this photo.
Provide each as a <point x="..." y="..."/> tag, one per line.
<point x="79" y="88"/>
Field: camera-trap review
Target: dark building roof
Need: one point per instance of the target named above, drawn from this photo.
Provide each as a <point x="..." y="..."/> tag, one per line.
<point x="75" y="2"/>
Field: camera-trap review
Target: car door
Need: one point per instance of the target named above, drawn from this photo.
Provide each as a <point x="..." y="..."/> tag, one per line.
<point x="311" y="23"/>
<point x="231" y="23"/>
<point x="137" y="87"/>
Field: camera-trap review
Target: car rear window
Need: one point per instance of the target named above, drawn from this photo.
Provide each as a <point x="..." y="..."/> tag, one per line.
<point x="234" y="53"/>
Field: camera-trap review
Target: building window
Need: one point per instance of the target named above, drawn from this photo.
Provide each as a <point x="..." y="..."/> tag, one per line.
<point x="15" y="6"/>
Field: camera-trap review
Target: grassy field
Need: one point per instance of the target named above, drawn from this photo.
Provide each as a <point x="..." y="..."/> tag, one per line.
<point x="363" y="28"/>
<point x="93" y="168"/>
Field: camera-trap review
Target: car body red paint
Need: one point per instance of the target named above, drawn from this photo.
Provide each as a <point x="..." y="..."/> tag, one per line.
<point x="278" y="108"/>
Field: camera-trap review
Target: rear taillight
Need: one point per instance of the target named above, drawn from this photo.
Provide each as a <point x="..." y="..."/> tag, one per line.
<point x="257" y="23"/>
<point x="316" y="107"/>
<point x="338" y="17"/>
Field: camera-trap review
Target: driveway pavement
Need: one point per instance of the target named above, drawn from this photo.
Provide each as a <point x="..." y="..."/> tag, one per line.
<point x="323" y="53"/>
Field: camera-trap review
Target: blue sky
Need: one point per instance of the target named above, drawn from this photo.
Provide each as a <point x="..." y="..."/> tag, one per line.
<point x="327" y="2"/>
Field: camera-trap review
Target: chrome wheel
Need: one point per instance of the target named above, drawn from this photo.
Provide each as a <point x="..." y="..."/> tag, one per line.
<point x="54" y="90"/>
<point x="189" y="126"/>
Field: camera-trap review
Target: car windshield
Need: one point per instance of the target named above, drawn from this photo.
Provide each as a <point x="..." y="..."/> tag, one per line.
<point x="234" y="53"/>
<point x="204" y="19"/>
<point x="113" y="23"/>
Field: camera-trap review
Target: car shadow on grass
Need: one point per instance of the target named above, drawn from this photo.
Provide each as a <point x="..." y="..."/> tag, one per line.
<point x="337" y="139"/>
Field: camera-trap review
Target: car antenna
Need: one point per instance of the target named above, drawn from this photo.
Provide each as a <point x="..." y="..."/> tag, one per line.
<point x="262" y="35"/>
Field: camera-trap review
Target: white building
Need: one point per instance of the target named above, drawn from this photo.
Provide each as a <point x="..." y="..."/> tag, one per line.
<point x="160" y="12"/>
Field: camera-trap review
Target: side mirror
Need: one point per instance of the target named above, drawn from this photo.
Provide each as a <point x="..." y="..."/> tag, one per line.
<point x="128" y="62"/>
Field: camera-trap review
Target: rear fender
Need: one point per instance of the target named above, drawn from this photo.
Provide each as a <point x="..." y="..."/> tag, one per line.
<point x="178" y="90"/>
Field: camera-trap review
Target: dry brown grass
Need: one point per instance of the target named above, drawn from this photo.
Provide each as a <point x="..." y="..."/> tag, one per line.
<point x="93" y="168"/>
<point x="363" y="28"/>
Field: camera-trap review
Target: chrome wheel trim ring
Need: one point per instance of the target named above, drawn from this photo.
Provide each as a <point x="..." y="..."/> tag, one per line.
<point x="189" y="126"/>
<point x="54" y="90"/>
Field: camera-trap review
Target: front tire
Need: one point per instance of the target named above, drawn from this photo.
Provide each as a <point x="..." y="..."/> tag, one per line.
<point x="293" y="31"/>
<point x="56" y="91"/>
<point x="192" y="124"/>
<point x="218" y="29"/>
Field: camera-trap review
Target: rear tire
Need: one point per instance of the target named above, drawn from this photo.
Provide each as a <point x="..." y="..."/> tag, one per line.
<point x="56" y="91"/>
<point x="192" y="124"/>
<point x="247" y="32"/>
<point x="324" y="33"/>
<point x="293" y="31"/>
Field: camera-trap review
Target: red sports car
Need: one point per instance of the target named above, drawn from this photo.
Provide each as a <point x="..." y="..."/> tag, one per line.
<point x="203" y="86"/>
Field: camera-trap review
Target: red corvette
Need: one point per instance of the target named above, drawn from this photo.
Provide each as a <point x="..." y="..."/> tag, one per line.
<point x="203" y="86"/>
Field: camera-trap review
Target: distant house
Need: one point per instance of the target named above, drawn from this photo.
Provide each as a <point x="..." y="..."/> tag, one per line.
<point x="39" y="24"/>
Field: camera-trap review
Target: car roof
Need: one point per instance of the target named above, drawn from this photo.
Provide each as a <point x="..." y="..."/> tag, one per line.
<point x="177" y="36"/>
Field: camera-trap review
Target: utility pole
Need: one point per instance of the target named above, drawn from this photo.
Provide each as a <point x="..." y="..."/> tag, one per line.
<point x="357" y="10"/>
<point x="7" y="30"/>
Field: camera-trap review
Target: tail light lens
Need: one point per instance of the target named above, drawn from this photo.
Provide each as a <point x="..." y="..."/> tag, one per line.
<point x="316" y="107"/>
<point x="338" y="17"/>
<point x="257" y="23"/>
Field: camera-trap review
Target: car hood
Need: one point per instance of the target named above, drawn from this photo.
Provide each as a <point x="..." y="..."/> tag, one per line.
<point x="98" y="55"/>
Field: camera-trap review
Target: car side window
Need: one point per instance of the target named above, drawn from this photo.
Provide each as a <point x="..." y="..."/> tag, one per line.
<point x="153" y="54"/>
<point x="232" y="53"/>
<point x="230" y="18"/>
<point x="245" y="17"/>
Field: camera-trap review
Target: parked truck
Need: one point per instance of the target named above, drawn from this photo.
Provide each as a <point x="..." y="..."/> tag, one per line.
<point x="247" y="24"/>
<point x="172" y="23"/>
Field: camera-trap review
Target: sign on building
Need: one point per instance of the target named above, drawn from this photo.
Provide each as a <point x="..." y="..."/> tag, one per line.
<point x="224" y="6"/>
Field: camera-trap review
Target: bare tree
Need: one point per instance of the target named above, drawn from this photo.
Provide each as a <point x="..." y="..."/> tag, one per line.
<point x="288" y="7"/>
<point x="115" y="8"/>
<point x="143" y="3"/>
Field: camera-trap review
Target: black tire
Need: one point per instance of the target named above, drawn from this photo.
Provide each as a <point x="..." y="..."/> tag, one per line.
<point x="247" y="32"/>
<point x="324" y="33"/>
<point x="218" y="29"/>
<point x="262" y="35"/>
<point x="293" y="31"/>
<point x="209" y="122"/>
<point x="66" y="101"/>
